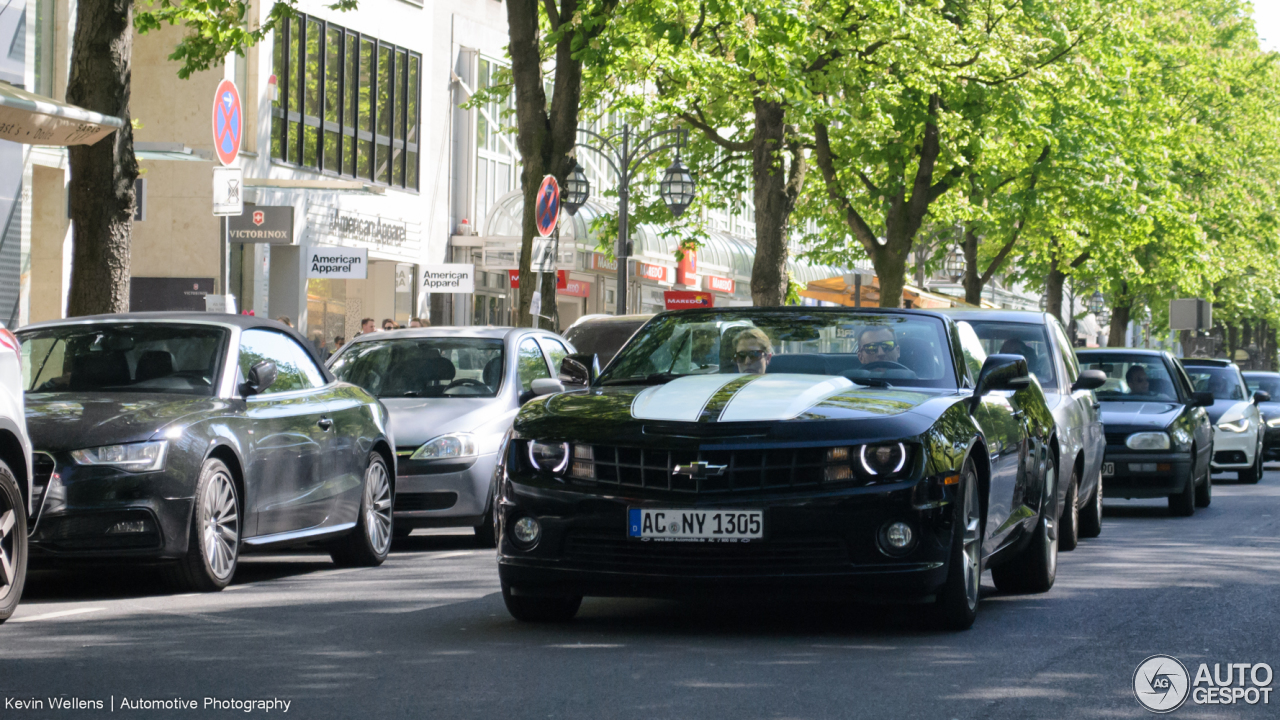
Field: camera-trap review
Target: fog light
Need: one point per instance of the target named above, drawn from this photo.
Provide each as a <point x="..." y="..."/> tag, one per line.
<point x="129" y="526"/>
<point x="526" y="530"/>
<point x="896" y="538"/>
<point x="836" y="473"/>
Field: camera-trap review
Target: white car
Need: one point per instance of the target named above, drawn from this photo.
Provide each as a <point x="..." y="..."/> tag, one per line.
<point x="15" y="476"/>
<point x="1237" y="424"/>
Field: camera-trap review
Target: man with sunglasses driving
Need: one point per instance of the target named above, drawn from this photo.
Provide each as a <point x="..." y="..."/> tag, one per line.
<point x="752" y="351"/>
<point x="877" y="344"/>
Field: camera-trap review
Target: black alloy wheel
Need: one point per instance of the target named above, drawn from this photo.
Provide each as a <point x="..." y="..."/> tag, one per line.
<point x="369" y="542"/>
<point x="1183" y="502"/>
<point x="13" y="542"/>
<point x="540" y="609"/>
<point x="1091" y="513"/>
<point x="213" y="545"/>
<point x="1069" y="524"/>
<point x="1035" y="567"/>
<point x="956" y="606"/>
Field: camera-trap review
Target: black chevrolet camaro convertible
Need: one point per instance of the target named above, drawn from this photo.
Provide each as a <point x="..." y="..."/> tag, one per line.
<point x="182" y="439"/>
<point x="874" y="455"/>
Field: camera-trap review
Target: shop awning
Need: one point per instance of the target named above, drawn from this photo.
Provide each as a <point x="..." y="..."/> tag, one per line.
<point x="835" y="290"/>
<point x="26" y="117"/>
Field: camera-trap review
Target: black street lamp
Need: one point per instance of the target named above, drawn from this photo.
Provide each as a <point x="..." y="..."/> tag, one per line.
<point x="626" y="153"/>
<point x="576" y="189"/>
<point x="1096" y="303"/>
<point x="954" y="264"/>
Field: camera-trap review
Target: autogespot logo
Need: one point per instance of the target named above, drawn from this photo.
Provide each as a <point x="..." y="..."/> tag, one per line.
<point x="1162" y="684"/>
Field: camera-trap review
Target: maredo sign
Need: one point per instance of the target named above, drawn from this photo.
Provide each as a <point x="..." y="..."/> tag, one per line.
<point x="564" y="286"/>
<point x="719" y="284"/>
<point x="685" y="299"/>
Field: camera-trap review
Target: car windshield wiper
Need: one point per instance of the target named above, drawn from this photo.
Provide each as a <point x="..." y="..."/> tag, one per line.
<point x="651" y="378"/>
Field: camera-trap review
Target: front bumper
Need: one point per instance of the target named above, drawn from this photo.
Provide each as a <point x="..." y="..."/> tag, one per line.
<point x="443" y="494"/>
<point x="100" y="512"/>
<point x="818" y="544"/>
<point x="1145" y="475"/>
<point x="1271" y="444"/>
<point x="1234" y="451"/>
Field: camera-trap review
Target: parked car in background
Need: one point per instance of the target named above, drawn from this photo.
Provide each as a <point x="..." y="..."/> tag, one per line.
<point x="452" y="393"/>
<point x="1159" y="437"/>
<point x="1040" y="338"/>
<point x="183" y="438"/>
<point x="809" y="451"/>
<point x="17" y="498"/>
<point x="603" y="335"/>
<point x="1269" y="410"/>
<point x="1238" y="431"/>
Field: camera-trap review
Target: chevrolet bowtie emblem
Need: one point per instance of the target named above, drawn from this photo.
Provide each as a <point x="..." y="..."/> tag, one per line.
<point x="699" y="470"/>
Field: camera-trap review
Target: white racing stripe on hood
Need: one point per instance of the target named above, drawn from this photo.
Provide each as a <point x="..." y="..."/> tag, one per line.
<point x="782" y="396"/>
<point x="681" y="399"/>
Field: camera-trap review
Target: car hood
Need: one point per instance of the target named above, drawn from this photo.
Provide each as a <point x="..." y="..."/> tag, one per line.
<point x="1139" y="414"/>
<point x="417" y="420"/>
<point x="1227" y="410"/>
<point x="61" y="421"/>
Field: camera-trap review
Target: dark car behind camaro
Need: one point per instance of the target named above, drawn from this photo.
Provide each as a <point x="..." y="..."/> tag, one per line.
<point x="864" y="454"/>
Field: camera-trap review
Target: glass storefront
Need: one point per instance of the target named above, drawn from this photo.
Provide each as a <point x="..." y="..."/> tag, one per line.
<point x="326" y="314"/>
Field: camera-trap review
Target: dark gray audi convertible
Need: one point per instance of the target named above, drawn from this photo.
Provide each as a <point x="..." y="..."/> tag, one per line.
<point x="184" y="438"/>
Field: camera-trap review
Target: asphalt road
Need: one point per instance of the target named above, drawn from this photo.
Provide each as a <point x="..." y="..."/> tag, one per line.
<point x="426" y="636"/>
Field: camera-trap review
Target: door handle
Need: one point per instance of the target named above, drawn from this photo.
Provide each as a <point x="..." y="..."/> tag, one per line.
<point x="325" y="423"/>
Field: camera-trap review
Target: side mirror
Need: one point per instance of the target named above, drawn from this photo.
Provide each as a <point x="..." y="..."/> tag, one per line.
<point x="261" y="377"/>
<point x="1201" y="399"/>
<point x="1261" y="396"/>
<point x="580" y="369"/>
<point x="1002" y="372"/>
<point x="1089" y="380"/>
<point x="545" y="386"/>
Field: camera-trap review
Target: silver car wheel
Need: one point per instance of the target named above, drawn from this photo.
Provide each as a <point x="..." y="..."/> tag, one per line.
<point x="220" y="525"/>
<point x="972" y="542"/>
<point x="8" y="542"/>
<point x="1050" y="524"/>
<point x="377" y="507"/>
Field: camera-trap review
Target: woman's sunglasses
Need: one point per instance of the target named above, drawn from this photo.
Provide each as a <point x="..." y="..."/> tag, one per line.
<point x="745" y="355"/>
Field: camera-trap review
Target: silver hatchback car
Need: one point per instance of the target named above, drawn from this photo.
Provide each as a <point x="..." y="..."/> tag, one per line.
<point x="452" y="393"/>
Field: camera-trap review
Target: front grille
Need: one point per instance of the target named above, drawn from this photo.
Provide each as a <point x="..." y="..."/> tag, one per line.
<point x="411" y="502"/>
<point x="744" y="470"/>
<point x="89" y="532"/>
<point x="1116" y="438"/>
<point x="609" y="552"/>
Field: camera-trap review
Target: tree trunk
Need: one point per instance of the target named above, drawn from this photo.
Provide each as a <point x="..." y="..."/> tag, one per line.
<point x="1233" y="341"/>
<point x="1053" y="288"/>
<point x="777" y="185"/>
<point x="972" y="278"/>
<point x="1119" y="323"/>
<point x="102" y="175"/>
<point x="550" y="319"/>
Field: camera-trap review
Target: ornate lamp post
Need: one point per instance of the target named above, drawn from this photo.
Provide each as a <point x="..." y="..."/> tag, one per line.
<point x="626" y="153"/>
<point x="1096" y="303"/>
<point x="953" y="265"/>
<point x="576" y="189"/>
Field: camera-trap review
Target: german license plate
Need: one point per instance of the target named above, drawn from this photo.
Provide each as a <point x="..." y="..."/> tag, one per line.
<point x="698" y="525"/>
<point x="1108" y="469"/>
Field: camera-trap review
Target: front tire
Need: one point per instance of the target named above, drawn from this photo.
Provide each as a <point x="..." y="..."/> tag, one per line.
<point x="13" y="542"/>
<point x="1091" y="515"/>
<point x="956" y="606"/>
<point x="213" y="548"/>
<point x="1204" y="493"/>
<point x="1254" y="473"/>
<point x="1183" y="504"/>
<point x="1069" y="525"/>
<point x="540" y="609"/>
<point x="370" y="540"/>
<point x="1034" y="569"/>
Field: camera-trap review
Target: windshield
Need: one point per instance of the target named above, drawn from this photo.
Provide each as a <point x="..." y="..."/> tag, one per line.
<point x="423" y="367"/>
<point x="122" y="357"/>
<point x="603" y="338"/>
<point x="1269" y="384"/>
<point x="1131" y="378"/>
<point x="1025" y="339"/>
<point x="1223" y="382"/>
<point x="868" y="348"/>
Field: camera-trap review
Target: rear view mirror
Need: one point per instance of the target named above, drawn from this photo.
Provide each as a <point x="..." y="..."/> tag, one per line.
<point x="1261" y="396"/>
<point x="1089" y="380"/>
<point x="579" y="369"/>
<point x="1202" y="399"/>
<point x="261" y="376"/>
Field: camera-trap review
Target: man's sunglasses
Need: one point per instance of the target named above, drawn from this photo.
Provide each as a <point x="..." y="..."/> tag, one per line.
<point x="745" y="355"/>
<point x="879" y="347"/>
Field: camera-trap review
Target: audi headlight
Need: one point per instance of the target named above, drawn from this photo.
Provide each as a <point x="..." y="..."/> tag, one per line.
<point x="453" y="445"/>
<point x="552" y="457"/>
<point x="136" y="457"/>
<point x="1148" y="441"/>
<point x="1274" y="422"/>
<point x="1235" y="426"/>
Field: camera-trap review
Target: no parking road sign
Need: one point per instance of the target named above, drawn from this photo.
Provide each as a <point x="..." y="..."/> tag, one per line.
<point x="548" y="206"/>
<point x="228" y="122"/>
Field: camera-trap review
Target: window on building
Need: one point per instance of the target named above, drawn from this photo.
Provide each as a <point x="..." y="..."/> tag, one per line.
<point x="496" y="157"/>
<point x="348" y="104"/>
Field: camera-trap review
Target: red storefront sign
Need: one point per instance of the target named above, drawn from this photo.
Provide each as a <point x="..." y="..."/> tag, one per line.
<point x="687" y="269"/>
<point x="658" y="273"/>
<point x="603" y="262"/>
<point x="562" y="277"/>
<point x="720" y="284"/>
<point x="685" y="299"/>
<point x="575" y="288"/>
